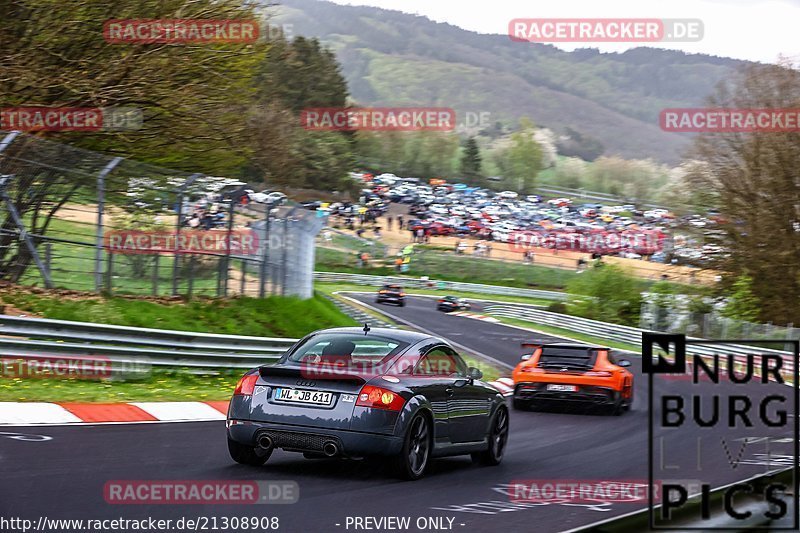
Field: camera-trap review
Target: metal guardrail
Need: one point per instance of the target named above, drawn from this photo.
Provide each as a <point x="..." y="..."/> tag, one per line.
<point x="613" y="332"/>
<point x="38" y="338"/>
<point x="421" y="283"/>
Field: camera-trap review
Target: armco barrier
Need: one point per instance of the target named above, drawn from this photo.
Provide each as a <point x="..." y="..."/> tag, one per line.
<point x="377" y="281"/>
<point x="37" y="338"/>
<point x="613" y="332"/>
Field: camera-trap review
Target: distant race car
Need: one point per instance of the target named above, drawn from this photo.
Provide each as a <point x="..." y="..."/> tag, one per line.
<point x="452" y="303"/>
<point x="578" y="373"/>
<point x="353" y="393"/>
<point x="391" y="294"/>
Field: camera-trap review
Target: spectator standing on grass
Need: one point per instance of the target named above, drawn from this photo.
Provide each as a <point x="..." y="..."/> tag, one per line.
<point x="389" y="222"/>
<point x="428" y="236"/>
<point x="488" y="249"/>
<point x="399" y="222"/>
<point x="377" y="231"/>
<point x="420" y="235"/>
<point x="365" y="259"/>
<point x="398" y="264"/>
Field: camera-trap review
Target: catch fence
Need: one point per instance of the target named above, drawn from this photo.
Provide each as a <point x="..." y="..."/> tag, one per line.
<point x="76" y="219"/>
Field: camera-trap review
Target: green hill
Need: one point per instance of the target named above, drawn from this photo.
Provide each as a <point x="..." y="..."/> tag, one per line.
<point x="393" y="58"/>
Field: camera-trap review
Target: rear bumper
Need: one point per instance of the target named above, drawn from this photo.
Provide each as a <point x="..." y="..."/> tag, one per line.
<point x="589" y="394"/>
<point x="391" y="299"/>
<point x="305" y="439"/>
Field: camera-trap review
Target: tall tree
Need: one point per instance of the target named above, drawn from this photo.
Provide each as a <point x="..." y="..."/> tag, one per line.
<point x="754" y="178"/>
<point x="471" y="162"/>
<point x="522" y="161"/>
<point x="193" y="97"/>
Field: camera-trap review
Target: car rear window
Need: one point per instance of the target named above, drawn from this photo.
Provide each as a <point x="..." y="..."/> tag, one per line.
<point x="578" y="357"/>
<point x="361" y="350"/>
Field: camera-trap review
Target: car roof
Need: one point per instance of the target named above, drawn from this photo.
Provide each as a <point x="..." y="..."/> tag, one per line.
<point x="397" y="334"/>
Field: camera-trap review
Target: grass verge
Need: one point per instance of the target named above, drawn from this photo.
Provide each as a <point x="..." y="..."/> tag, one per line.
<point x="274" y="316"/>
<point x="266" y="317"/>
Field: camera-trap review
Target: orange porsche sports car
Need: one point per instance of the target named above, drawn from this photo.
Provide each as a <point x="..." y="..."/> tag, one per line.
<point x="572" y="373"/>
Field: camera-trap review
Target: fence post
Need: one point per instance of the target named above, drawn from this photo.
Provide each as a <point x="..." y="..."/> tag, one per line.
<point x="226" y="261"/>
<point x="262" y="270"/>
<point x="109" y="271"/>
<point x="101" y="202"/>
<point x="191" y="275"/>
<point x="181" y="192"/>
<point x="284" y="252"/>
<point x="244" y="276"/>
<point x="155" y="275"/>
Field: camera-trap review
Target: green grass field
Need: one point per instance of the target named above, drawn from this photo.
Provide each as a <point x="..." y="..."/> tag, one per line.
<point x="274" y="316"/>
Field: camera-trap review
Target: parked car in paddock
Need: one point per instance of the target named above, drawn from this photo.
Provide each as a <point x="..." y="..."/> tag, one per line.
<point x="391" y="294"/>
<point x="578" y="373"/>
<point x="353" y="393"/>
<point x="452" y="303"/>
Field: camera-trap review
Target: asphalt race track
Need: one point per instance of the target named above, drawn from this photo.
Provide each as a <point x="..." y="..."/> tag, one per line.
<point x="64" y="477"/>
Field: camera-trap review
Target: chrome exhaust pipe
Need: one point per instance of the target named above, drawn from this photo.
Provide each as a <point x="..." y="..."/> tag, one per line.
<point x="330" y="449"/>
<point x="265" y="442"/>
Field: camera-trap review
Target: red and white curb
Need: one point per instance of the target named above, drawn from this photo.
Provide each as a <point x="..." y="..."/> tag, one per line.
<point x="504" y="385"/>
<point x="476" y="316"/>
<point x="40" y="413"/>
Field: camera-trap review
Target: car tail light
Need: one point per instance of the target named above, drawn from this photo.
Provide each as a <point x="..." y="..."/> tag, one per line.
<point x="441" y="301"/>
<point x="246" y="385"/>
<point x="371" y="396"/>
<point x="598" y="374"/>
<point x="382" y="292"/>
<point x="402" y="294"/>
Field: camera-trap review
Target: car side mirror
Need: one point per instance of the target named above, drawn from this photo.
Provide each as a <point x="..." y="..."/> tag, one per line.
<point x="473" y="373"/>
<point x="624" y="363"/>
<point x="526" y="356"/>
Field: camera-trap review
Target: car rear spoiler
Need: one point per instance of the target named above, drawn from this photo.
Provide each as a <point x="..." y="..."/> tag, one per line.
<point x="314" y="372"/>
<point x="532" y="344"/>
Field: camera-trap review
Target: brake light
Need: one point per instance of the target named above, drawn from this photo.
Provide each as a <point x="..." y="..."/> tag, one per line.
<point x="402" y="294"/>
<point x="379" y="398"/>
<point x="598" y="374"/>
<point x="382" y="292"/>
<point x="441" y="301"/>
<point x="246" y="385"/>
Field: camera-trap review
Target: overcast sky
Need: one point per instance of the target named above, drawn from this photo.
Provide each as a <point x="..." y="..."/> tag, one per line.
<point x="759" y="30"/>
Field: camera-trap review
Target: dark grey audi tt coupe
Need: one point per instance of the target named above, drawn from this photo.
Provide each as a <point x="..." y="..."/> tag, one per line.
<point x="351" y="392"/>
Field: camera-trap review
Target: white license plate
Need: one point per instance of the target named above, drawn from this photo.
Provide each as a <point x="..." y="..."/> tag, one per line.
<point x="303" y="396"/>
<point x="562" y="388"/>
